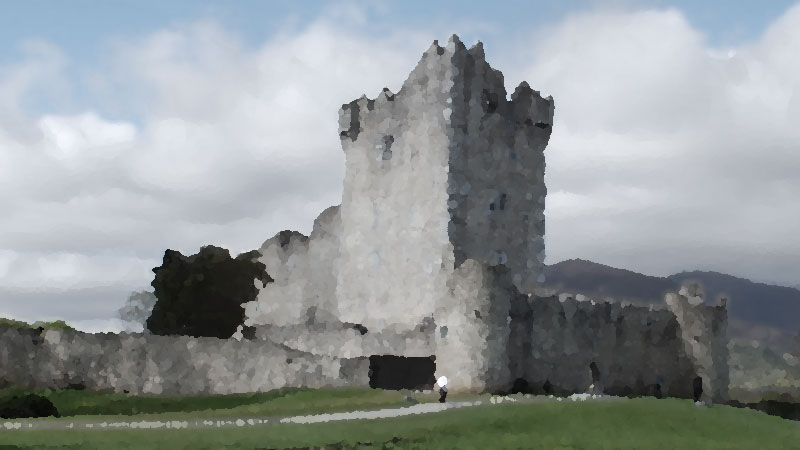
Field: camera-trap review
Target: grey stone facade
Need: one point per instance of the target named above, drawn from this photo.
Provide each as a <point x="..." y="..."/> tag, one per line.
<point x="150" y="364"/>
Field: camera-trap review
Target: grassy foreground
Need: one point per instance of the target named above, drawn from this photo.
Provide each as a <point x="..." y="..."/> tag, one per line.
<point x="644" y="423"/>
<point x="72" y="404"/>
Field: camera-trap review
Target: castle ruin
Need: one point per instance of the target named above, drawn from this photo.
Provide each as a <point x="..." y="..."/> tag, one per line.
<point x="434" y="256"/>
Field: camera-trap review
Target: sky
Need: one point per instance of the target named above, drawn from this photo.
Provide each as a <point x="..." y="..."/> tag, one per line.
<point x="130" y="127"/>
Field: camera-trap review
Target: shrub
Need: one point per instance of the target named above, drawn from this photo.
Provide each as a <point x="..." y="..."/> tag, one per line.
<point x="30" y="405"/>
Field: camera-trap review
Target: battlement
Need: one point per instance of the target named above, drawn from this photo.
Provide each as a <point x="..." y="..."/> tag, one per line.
<point x="460" y="82"/>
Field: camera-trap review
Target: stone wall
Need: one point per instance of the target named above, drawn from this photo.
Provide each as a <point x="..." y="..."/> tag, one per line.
<point x="633" y="348"/>
<point x="486" y="335"/>
<point x="352" y="341"/>
<point x="473" y="328"/>
<point x="396" y="252"/>
<point x="490" y="336"/>
<point x="143" y="363"/>
<point x="496" y="190"/>
<point x="703" y="335"/>
<point x="304" y="270"/>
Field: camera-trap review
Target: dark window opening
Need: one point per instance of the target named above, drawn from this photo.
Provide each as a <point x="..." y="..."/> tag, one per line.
<point x="502" y="202"/>
<point x="249" y="333"/>
<point x="398" y="372"/>
<point x="490" y="101"/>
<point x="387" y="147"/>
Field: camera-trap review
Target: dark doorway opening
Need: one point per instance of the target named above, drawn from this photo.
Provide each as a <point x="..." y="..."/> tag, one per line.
<point x="521" y="386"/>
<point x="398" y="372"/>
<point x="595" y="373"/>
<point x="697" y="388"/>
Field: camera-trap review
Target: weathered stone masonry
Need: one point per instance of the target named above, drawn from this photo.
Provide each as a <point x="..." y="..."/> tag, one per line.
<point x="150" y="364"/>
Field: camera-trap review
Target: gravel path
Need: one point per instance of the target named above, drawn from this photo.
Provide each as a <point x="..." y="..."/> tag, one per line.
<point x="421" y="408"/>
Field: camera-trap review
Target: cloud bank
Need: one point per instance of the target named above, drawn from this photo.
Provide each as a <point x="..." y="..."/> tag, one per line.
<point x="667" y="154"/>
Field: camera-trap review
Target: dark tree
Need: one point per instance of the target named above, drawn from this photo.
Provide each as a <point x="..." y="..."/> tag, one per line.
<point x="201" y="295"/>
<point x="29" y="405"/>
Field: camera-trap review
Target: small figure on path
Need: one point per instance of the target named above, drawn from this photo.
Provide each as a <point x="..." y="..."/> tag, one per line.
<point x="442" y="382"/>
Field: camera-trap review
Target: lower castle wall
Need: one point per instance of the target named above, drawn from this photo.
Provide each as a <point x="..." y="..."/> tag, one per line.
<point x="347" y="341"/>
<point x="140" y="363"/>
<point x="633" y="348"/>
<point x="494" y="337"/>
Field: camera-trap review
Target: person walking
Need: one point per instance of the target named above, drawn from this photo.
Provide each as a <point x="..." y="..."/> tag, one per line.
<point x="442" y="382"/>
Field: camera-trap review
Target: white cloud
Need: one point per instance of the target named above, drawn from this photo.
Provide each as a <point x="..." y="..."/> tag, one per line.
<point x="66" y="137"/>
<point x="236" y="145"/>
<point x="7" y="258"/>
<point x="102" y="326"/>
<point x="65" y="271"/>
<point x="668" y="154"/>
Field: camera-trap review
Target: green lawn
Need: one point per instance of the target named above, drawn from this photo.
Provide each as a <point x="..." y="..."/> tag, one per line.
<point x="73" y="404"/>
<point x="645" y="423"/>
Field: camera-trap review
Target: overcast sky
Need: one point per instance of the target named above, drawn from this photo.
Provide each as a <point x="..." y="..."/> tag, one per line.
<point x="127" y="130"/>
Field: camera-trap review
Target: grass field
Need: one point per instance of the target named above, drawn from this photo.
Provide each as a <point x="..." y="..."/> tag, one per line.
<point x="73" y="404"/>
<point x="645" y="423"/>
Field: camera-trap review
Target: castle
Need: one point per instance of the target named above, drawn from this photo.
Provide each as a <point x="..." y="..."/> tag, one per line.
<point x="442" y="220"/>
<point x="429" y="266"/>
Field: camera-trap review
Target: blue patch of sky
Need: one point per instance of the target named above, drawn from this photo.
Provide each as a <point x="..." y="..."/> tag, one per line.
<point x="81" y="28"/>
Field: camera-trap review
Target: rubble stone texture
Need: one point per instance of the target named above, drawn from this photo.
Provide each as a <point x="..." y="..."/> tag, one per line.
<point x="437" y="249"/>
<point x="174" y="365"/>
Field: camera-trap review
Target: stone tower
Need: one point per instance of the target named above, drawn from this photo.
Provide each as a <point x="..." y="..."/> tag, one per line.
<point x="446" y="170"/>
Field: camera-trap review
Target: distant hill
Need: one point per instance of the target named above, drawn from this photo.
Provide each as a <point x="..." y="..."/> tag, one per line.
<point x="756" y="310"/>
<point x="599" y="281"/>
<point x="759" y="303"/>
